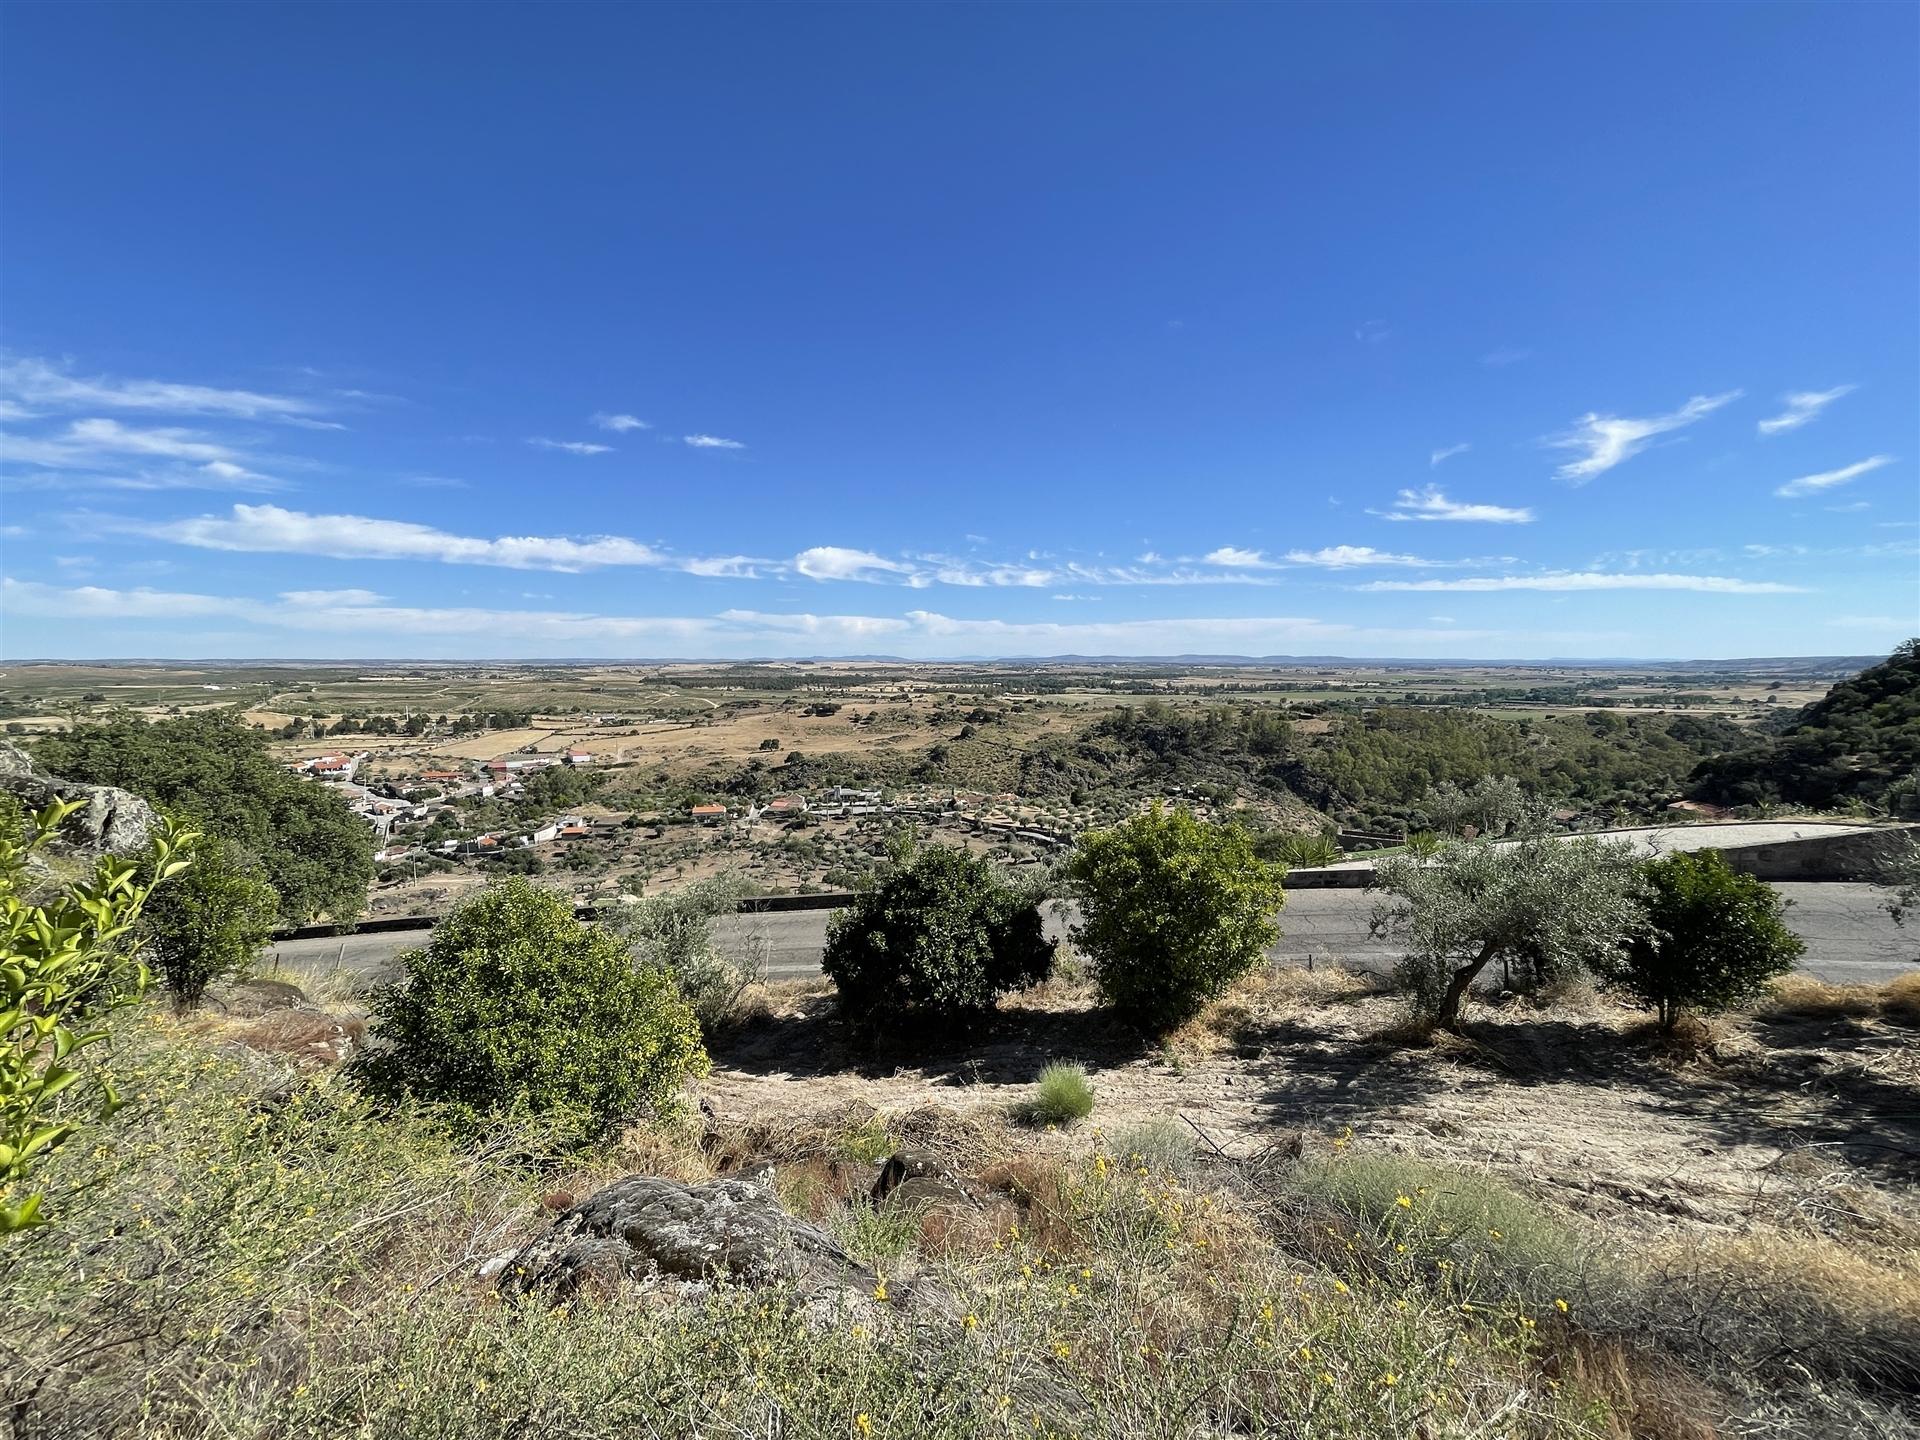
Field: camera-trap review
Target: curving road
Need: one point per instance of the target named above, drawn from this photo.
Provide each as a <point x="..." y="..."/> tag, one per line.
<point x="1850" y="938"/>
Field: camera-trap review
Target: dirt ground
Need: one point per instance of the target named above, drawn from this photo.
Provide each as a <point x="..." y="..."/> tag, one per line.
<point x="1788" y="1120"/>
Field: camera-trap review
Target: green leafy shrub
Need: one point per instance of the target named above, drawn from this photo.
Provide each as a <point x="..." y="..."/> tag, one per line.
<point x="67" y="960"/>
<point x="1172" y="912"/>
<point x="942" y="937"/>
<point x="209" y="924"/>
<point x="514" y="1005"/>
<point x="1061" y="1096"/>
<point x="1714" y="938"/>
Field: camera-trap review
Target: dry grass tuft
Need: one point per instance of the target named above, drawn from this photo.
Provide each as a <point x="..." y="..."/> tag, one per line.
<point x="1802" y="997"/>
<point x="311" y="1039"/>
<point x="1691" y="1038"/>
<point x="1645" y="1396"/>
<point x="1900" y="999"/>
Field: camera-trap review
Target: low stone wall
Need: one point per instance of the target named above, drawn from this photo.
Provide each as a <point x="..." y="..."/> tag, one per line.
<point x="1822" y="857"/>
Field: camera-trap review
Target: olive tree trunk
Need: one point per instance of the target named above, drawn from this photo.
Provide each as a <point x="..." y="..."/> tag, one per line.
<point x="1463" y="978"/>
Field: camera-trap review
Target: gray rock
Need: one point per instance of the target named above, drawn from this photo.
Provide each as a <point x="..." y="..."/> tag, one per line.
<point x="112" y="821"/>
<point x="910" y="1165"/>
<point x="646" y="1229"/>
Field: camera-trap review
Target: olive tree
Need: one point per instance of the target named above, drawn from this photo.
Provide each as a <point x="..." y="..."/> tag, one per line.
<point x="1172" y="912"/>
<point x="674" y="931"/>
<point x="1492" y="805"/>
<point x="1539" y="907"/>
<point x="1714" y="938"/>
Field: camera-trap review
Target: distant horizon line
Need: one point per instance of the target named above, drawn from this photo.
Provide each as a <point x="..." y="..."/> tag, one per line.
<point x="1195" y="658"/>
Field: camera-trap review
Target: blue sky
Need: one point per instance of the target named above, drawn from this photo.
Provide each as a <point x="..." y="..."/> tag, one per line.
<point x="637" y="331"/>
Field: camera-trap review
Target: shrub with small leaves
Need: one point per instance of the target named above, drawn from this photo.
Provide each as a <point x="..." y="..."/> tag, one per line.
<point x="514" y="1005"/>
<point x="1172" y="912"/>
<point x="66" y="957"/>
<point x="1714" y="938"/>
<point x="942" y="937"/>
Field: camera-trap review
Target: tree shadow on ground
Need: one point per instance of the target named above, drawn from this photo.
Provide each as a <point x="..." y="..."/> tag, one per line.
<point x="1828" y="1082"/>
<point x="1311" y="1077"/>
<point x="1009" y="1047"/>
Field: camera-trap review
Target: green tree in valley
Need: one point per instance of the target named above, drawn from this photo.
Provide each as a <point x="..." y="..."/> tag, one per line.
<point x="1173" y="911"/>
<point x="315" y="852"/>
<point x="1714" y="938"/>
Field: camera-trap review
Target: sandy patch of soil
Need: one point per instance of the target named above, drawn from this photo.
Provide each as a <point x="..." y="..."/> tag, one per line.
<point x="1774" y="1121"/>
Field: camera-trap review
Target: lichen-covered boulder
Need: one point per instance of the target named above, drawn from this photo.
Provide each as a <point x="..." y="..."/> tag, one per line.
<point x="111" y="821"/>
<point x="645" y="1228"/>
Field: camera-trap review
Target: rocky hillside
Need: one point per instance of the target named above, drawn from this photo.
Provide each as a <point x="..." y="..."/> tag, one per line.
<point x="1861" y="741"/>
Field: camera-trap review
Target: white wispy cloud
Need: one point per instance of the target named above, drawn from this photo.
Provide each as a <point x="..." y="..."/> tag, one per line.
<point x="269" y="529"/>
<point x="619" y="424"/>
<point x="1827" y="480"/>
<point x="1580" y="580"/>
<point x="1344" y="557"/>
<point x="836" y="562"/>
<point x="102" y="454"/>
<point x="712" y="442"/>
<point x="1236" y="558"/>
<point x="374" y="626"/>
<point x="1606" y="440"/>
<point x="42" y="385"/>
<point x="1803" y="407"/>
<point x="572" y="447"/>
<point x="332" y="597"/>
<point x="1433" y="504"/>
<point x="1506" y="355"/>
<point x="1439" y="457"/>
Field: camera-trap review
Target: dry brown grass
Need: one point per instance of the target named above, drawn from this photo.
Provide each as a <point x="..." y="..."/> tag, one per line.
<point x="1645" y="1396"/>
<point x="1235" y="1018"/>
<point x="1802" y="997"/>
<point x="1805" y="1301"/>
<point x="1900" y="999"/>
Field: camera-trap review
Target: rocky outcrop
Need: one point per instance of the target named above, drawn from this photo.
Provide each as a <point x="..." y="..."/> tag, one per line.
<point x="646" y="1229"/>
<point x="110" y="821"/>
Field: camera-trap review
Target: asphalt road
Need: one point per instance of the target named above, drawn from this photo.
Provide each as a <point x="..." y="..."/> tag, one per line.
<point x="1850" y="938"/>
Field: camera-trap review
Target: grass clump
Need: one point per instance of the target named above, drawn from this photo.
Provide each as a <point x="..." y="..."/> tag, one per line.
<point x="1061" y="1095"/>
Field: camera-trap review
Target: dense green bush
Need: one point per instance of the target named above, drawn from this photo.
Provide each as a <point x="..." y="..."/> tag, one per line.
<point x="317" y="854"/>
<point x="1861" y="740"/>
<point x="209" y="924"/>
<point x="514" y="1005"/>
<point x="1714" y="938"/>
<point x="1172" y="912"/>
<point x="942" y="937"/>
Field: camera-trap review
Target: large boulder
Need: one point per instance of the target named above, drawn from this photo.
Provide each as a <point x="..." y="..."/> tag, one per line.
<point x="111" y="821"/>
<point x="647" y="1229"/>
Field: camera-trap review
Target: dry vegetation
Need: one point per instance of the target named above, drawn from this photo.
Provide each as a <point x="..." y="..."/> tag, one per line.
<point x="1281" y="1223"/>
